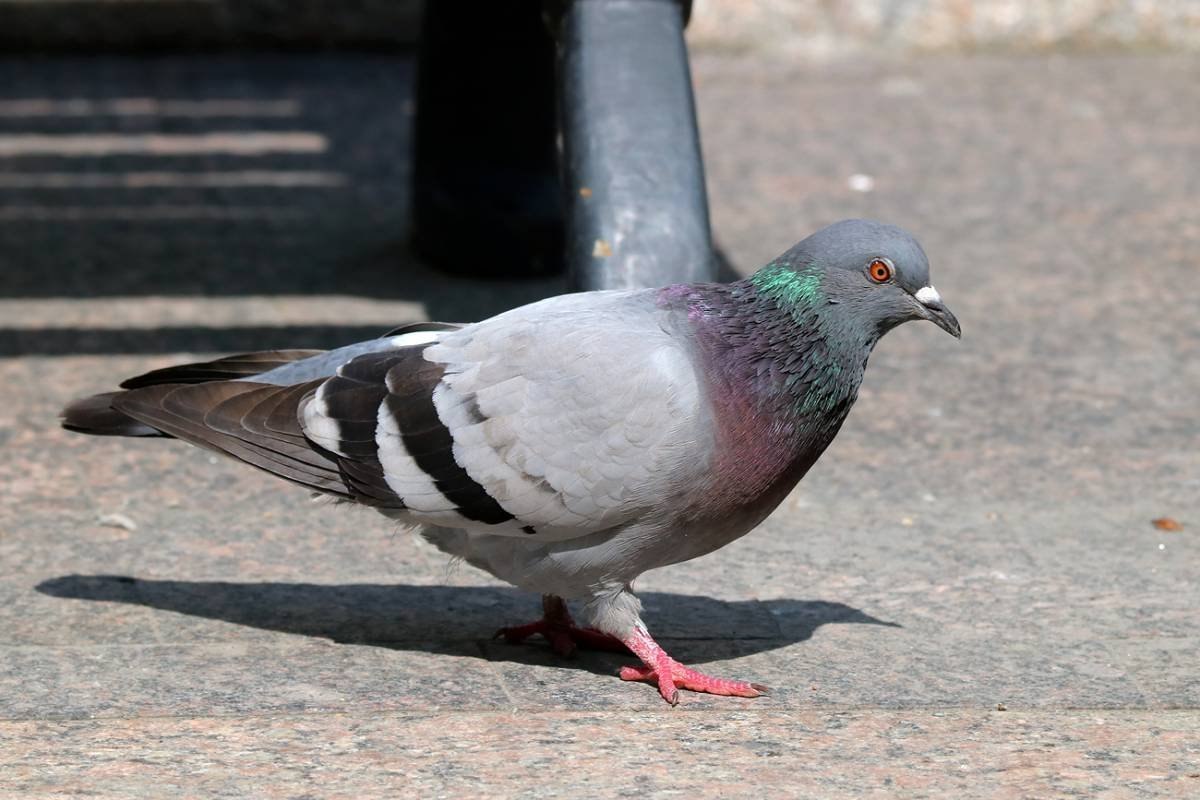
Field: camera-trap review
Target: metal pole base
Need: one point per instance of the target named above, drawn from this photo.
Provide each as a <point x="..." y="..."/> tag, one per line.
<point x="637" y="210"/>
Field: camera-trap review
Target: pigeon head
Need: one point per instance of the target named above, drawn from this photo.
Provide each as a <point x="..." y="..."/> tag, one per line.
<point x="877" y="274"/>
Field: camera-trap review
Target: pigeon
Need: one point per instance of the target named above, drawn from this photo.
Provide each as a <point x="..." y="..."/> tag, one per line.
<point x="569" y="445"/>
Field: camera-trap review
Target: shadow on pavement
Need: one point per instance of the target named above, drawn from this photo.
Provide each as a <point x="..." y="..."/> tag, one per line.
<point x="440" y="618"/>
<point x="446" y="299"/>
<point x="220" y="175"/>
<point x="214" y="176"/>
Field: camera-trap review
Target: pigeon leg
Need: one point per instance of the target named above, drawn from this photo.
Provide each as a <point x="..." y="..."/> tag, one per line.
<point x="659" y="665"/>
<point x="557" y="627"/>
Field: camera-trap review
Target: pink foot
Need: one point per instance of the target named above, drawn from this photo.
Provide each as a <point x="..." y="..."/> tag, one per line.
<point x="658" y="664"/>
<point x="557" y="627"/>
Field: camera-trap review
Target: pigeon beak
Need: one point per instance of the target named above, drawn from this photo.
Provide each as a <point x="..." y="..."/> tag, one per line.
<point x="933" y="309"/>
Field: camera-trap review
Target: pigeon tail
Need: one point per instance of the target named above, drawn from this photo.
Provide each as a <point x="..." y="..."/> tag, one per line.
<point x="98" y="415"/>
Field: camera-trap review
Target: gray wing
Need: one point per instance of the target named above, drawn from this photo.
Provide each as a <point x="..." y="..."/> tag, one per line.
<point x="555" y="420"/>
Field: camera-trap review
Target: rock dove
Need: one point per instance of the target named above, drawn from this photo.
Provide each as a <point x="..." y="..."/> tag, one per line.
<point x="569" y="445"/>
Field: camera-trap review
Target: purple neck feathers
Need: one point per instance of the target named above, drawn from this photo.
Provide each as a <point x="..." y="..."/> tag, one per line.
<point x="781" y="378"/>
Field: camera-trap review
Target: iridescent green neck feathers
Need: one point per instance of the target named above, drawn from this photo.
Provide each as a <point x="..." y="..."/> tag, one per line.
<point x="789" y="288"/>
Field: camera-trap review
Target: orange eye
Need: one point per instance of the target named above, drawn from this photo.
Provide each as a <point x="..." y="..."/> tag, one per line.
<point x="880" y="271"/>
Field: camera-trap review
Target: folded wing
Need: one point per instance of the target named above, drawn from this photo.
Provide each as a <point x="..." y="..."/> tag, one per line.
<point x="554" y="421"/>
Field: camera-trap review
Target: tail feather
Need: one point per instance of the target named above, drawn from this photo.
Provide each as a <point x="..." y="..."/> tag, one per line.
<point x="224" y="406"/>
<point x="213" y="405"/>
<point x="228" y="417"/>
<point x="96" y="416"/>
<point x="229" y="368"/>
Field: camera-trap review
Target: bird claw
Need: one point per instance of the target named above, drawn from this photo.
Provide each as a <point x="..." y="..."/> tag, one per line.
<point x="656" y="665"/>
<point x="682" y="677"/>
<point x="559" y="638"/>
<point x="564" y="636"/>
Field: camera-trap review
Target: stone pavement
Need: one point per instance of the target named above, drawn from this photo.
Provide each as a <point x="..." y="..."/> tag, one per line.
<point x="966" y="597"/>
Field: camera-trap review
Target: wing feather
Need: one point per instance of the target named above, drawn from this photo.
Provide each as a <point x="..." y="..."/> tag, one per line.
<point x="574" y="417"/>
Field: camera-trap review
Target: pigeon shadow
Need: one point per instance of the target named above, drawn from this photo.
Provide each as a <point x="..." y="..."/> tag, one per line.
<point x="453" y="619"/>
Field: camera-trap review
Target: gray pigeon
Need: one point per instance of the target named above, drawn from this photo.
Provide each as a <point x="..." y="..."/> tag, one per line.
<point x="569" y="445"/>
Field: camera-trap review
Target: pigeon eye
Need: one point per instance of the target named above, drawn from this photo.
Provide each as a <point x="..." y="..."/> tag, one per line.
<point x="880" y="271"/>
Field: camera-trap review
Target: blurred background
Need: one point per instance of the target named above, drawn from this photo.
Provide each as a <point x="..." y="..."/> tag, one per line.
<point x="804" y="27"/>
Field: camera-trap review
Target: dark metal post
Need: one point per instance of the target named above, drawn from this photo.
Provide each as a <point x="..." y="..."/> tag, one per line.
<point x="637" y="210"/>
